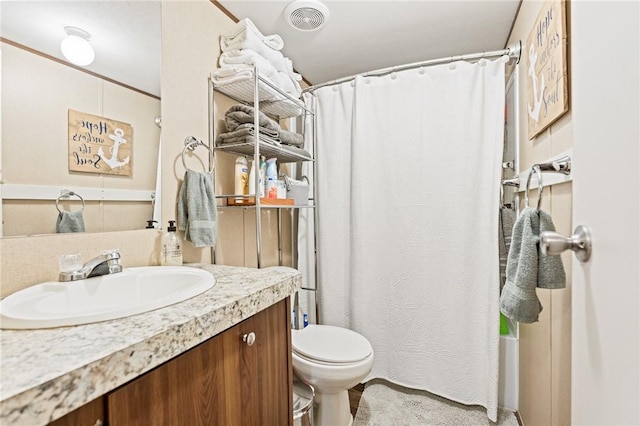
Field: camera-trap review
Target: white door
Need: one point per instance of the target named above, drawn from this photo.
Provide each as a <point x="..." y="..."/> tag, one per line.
<point x="605" y="75"/>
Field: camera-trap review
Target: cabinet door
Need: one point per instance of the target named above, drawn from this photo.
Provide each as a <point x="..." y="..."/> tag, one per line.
<point x="90" y="414"/>
<point x="222" y="381"/>
<point x="265" y="367"/>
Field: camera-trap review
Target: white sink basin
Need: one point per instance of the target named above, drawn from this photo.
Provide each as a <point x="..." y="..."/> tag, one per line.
<point x="130" y="292"/>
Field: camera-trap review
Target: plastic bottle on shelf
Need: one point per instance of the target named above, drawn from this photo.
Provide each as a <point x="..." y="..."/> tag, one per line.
<point x="171" y="247"/>
<point x="241" y="186"/>
<point x="272" y="178"/>
<point x="252" y="180"/>
<point x="263" y="176"/>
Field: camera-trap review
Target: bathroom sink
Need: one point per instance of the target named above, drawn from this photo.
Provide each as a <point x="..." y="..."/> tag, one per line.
<point x="132" y="291"/>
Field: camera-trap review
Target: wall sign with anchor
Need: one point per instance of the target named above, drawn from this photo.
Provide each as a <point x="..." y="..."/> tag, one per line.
<point x="99" y="144"/>
<point x="547" y="70"/>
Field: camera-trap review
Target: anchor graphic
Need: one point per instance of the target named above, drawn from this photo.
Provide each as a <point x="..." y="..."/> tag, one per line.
<point x="118" y="140"/>
<point x="534" y="112"/>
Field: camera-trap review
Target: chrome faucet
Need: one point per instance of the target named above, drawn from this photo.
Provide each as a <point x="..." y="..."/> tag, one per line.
<point x="106" y="263"/>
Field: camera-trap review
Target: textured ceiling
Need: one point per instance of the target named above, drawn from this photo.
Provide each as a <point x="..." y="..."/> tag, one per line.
<point x="367" y="35"/>
<point x="359" y="35"/>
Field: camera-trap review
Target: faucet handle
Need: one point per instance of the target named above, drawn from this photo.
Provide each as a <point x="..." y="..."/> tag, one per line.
<point x="113" y="260"/>
<point x="114" y="253"/>
<point x="70" y="262"/>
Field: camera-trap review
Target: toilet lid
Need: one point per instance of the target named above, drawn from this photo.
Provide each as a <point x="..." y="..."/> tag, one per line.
<point x="327" y="343"/>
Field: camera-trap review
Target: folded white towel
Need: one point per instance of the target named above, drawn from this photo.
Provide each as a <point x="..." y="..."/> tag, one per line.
<point x="250" y="58"/>
<point x="234" y="73"/>
<point x="245" y="32"/>
<point x="289" y="85"/>
<point x="275" y="57"/>
<point x="228" y="75"/>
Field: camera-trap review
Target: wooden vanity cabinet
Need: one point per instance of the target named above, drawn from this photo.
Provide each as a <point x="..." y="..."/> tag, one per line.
<point x="223" y="381"/>
<point x="90" y="414"/>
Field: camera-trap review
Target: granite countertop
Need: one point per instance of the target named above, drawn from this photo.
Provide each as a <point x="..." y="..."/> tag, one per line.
<point x="45" y="374"/>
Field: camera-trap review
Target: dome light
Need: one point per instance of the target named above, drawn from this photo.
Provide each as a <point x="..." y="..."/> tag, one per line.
<point x="76" y="47"/>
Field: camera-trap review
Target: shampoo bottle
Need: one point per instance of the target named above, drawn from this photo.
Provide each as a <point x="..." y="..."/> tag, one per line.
<point x="272" y="178"/>
<point x="241" y="186"/>
<point x="171" y="247"/>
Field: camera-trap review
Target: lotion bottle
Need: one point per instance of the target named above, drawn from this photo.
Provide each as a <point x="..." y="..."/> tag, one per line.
<point x="171" y="247"/>
<point x="241" y="186"/>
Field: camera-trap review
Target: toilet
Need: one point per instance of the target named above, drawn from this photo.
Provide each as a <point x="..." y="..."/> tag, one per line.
<point x="332" y="360"/>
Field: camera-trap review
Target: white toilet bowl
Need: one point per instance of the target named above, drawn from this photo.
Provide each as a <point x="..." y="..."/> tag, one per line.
<point x="332" y="360"/>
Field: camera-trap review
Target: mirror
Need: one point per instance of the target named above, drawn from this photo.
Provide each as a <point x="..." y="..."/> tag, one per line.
<point x="39" y="91"/>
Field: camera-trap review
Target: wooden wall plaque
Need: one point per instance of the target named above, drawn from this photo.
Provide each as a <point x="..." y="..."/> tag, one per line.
<point x="547" y="71"/>
<point x="99" y="144"/>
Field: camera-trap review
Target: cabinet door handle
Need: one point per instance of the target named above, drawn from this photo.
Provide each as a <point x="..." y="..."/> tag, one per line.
<point x="249" y="338"/>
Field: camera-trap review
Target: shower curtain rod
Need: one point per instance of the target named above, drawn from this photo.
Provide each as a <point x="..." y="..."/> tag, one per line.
<point x="513" y="51"/>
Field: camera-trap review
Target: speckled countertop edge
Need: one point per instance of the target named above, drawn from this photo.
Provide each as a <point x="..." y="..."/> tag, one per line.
<point x="45" y="374"/>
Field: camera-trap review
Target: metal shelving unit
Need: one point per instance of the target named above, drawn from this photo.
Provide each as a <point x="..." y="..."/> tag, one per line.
<point x="262" y="95"/>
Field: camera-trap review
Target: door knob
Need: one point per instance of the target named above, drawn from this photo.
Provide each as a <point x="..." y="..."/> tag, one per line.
<point x="552" y="243"/>
<point x="249" y="338"/>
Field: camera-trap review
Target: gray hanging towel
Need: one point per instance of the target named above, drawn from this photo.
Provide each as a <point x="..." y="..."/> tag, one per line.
<point x="505" y="230"/>
<point x="197" y="211"/>
<point x="518" y="300"/>
<point x="550" y="270"/>
<point x="70" y="222"/>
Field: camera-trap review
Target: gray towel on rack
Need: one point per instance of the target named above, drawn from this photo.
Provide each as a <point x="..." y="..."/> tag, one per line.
<point x="505" y="230"/>
<point x="519" y="300"/>
<point x="243" y="114"/>
<point x="291" y="138"/>
<point x="70" y="222"/>
<point x="241" y="117"/>
<point x="248" y="139"/>
<point x="247" y="130"/>
<point x="550" y="270"/>
<point x="263" y="139"/>
<point x="197" y="211"/>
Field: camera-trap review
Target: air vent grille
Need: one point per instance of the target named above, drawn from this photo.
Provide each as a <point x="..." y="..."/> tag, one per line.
<point x="307" y="18"/>
<point x="306" y="15"/>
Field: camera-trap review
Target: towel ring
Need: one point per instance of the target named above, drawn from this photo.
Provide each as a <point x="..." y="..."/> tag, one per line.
<point x="190" y="144"/>
<point x="536" y="169"/>
<point x="65" y="195"/>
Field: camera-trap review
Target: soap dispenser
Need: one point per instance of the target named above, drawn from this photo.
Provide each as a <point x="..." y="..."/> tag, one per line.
<point x="171" y="247"/>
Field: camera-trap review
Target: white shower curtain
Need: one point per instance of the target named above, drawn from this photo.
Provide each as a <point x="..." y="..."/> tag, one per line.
<point x="408" y="186"/>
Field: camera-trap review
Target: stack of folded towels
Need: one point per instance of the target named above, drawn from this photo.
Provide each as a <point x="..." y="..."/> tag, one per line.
<point x="245" y="48"/>
<point x="239" y="120"/>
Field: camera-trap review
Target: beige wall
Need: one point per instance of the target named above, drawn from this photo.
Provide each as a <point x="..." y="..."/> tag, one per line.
<point x="191" y="31"/>
<point x="37" y="93"/>
<point x="545" y="346"/>
<point x="190" y="34"/>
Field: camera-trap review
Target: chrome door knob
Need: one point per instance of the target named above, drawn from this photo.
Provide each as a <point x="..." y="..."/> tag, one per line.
<point x="552" y="243"/>
<point x="249" y="338"/>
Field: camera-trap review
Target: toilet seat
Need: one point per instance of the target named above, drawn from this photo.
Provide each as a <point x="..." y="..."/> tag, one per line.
<point x="327" y="344"/>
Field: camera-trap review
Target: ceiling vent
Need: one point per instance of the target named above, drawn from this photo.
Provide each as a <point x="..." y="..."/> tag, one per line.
<point x="306" y="15"/>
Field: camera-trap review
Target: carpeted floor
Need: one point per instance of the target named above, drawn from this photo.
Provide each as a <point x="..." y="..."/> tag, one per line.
<point x="386" y="404"/>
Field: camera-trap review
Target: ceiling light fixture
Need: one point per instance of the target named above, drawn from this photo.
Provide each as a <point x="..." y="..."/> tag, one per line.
<point x="306" y="15"/>
<point x="76" y="47"/>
